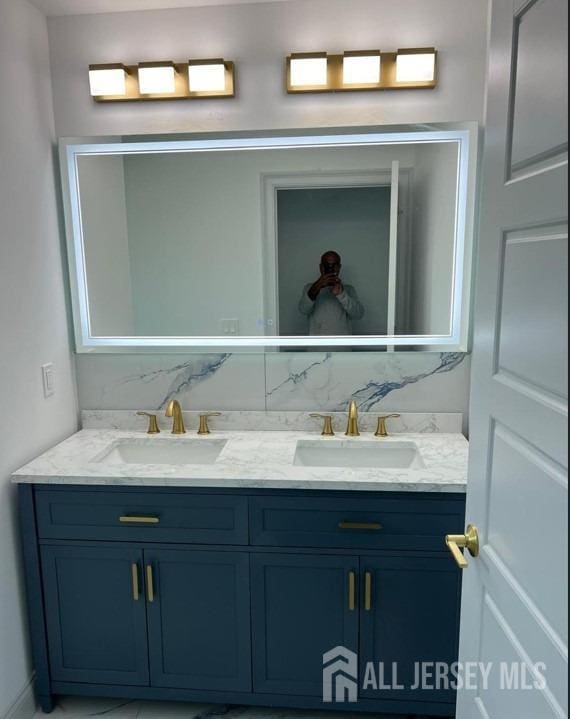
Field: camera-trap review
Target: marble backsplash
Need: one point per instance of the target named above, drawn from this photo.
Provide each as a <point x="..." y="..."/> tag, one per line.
<point x="288" y="381"/>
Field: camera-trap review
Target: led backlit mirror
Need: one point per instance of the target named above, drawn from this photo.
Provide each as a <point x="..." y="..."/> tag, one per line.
<point x="344" y="239"/>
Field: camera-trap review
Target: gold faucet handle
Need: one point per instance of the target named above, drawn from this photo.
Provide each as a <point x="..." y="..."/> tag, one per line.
<point x="204" y="428"/>
<point x="327" y="423"/>
<point x="382" y="429"/>
<point x="152" y="422"/>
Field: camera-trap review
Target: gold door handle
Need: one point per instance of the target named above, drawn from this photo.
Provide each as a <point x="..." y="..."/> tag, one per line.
<point x="351" y="591"/>
<point x="470" y="541"/>
<point x="135" y="581"/>
<point x="368" y="592"/>
<point x="374" y="526"/>
<point x="127" y="519"/>
<point x="149" y="583"/>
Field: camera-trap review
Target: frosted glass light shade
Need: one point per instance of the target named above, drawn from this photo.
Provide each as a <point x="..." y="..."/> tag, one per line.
<point x="107" y="81"/>
<point x="156" y="80"/>
<point x="207" y="78"/>
<point x="309" y="72"/>
<point x="415" y="67"/>
<point x="361" y="70"/>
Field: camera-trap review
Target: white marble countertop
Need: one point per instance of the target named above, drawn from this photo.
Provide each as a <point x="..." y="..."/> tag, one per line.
<point x="251" y="460"/>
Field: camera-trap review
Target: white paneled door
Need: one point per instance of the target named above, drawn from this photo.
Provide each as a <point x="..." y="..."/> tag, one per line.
<point x="515" y="593"/>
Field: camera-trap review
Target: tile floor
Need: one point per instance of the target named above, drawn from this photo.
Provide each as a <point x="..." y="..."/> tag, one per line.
<point x="78" y="708"/>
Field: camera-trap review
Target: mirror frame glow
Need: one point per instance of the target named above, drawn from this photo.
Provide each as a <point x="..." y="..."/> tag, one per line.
<point x="464" y="135"/>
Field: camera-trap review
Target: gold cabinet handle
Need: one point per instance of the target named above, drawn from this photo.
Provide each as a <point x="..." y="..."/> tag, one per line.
<point x="381" y="429"/>
<point x="135" y="581"/>
<point x="149" y="583"/>
<point x="127" y="519"/>
<point x="371" y="526"/>
<point x="368" y="592"/>
<point x="204" y="428"/>
<point x="351" y="591"/>
<point x="152" y="422"/>
<point x="470" y="541"/>
<point x="327" y="423"/>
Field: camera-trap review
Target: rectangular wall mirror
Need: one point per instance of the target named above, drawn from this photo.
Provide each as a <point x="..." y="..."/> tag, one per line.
<point x="345" y="239"/>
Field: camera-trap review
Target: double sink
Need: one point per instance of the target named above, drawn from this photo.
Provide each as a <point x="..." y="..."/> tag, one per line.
<point x="308" y="453"/>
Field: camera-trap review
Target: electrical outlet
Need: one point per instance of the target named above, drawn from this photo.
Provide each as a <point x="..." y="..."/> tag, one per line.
<point x="48" y="379"/>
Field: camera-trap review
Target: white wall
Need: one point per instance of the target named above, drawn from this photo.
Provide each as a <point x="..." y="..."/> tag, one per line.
<point x="33" y="326"/>
<point x="105" y="236"/>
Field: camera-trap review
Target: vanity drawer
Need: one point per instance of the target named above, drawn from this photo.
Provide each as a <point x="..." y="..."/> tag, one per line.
<point x="141" y="517"/>
<point x="405" y="522"/>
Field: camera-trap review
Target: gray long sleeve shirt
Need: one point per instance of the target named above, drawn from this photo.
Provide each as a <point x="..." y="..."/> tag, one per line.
<point x="331" y="314"/>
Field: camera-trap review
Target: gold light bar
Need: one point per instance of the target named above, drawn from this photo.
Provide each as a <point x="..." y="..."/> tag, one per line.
<point x="364" y="70"/>
<point x="164" y="80"/>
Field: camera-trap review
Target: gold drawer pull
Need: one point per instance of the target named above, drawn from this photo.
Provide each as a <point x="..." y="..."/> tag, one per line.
<point x="135" y="580"/>
<point x="149" y="583"/>
<point x="138" y="520"/>
<point x="470" y="541"/>
<point x="351" y="591"/>
<point x="375" y="526"/>
<point x="368" y="592"/>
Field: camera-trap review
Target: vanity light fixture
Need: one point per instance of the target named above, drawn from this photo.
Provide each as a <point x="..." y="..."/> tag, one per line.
<point x="357" y="70"/>
<point x="164" y="80"/>
<point x="417" y="66"/>
<point x="107" y="81"/>
<point x="157" y="78"/>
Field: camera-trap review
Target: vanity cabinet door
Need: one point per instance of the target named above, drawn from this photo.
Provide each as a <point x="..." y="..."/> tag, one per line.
<point x="199" y="619"/>
<point x="409" y="615"/>
<point x="95" y="615"/>
<point x="303" y="606"/>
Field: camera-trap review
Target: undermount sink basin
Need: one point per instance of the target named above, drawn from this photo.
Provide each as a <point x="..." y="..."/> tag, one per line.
<point x="149" y="451"/>
<point x="383" y="455"/>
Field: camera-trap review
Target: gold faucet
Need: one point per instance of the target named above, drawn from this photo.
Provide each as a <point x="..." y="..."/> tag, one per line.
<point x="174" y="410"/>
<point x="352" y="426"/>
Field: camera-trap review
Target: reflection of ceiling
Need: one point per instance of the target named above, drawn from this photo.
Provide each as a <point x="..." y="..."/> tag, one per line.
<point x="85" y="7"/>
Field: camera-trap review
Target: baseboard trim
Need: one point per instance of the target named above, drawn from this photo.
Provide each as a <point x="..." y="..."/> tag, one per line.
<point x="25" y="705"/>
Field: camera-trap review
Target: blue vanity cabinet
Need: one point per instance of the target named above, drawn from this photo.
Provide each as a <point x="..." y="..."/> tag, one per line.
<point x="409" y="615"/>
<point x="198" y="619"/>
<point x="303" y="605"/>
<point x="95" y="614"/>
<point x="229" y="596"/>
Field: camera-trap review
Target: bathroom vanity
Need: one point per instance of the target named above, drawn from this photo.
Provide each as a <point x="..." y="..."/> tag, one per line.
<point x="227" y="579"/>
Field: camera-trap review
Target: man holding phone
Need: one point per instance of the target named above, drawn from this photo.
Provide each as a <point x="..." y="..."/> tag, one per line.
<point x="329" y="304"/>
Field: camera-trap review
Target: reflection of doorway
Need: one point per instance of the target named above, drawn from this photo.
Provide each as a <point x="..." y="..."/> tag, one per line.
<point x="353" y="221"/>
<point x="394" y="184"/>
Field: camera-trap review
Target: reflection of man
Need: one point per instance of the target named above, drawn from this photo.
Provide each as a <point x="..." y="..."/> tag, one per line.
<point x="329" y="304"/>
